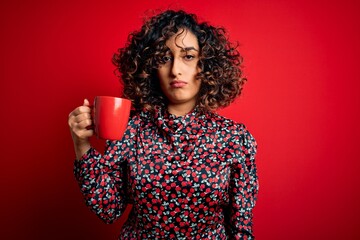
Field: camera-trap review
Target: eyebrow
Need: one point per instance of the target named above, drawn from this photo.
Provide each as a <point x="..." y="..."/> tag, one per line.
<point x="188" y="49"/>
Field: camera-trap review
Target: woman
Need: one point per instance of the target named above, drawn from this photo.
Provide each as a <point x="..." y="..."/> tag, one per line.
<point x="188" y="172"/>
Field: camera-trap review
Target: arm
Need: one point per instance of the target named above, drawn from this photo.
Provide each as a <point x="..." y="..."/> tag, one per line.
<point x="101" y="178"/>
<point x="102" y="182"/>
<point x="243" y="187"/>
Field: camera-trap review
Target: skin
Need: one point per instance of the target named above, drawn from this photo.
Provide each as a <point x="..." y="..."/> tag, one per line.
<point x="79" y="119"/>
<point x="178" y="74"/>
<point x="178" y="82"/>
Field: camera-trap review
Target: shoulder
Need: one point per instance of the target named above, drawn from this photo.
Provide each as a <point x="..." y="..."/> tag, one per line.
<point x="136" y="119"/>
<point x="235" y="134"/>
<point x="219" y="122"/>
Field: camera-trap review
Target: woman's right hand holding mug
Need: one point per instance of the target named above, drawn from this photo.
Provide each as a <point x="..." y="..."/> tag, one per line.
<point x="79" y="122"/>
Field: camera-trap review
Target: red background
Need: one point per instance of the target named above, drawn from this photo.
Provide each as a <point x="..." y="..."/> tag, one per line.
<point x="301" y="103"/>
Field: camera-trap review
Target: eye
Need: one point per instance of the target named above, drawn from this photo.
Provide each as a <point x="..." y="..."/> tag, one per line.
<point x="189" y="57"/>
<point x="166" y="59"/>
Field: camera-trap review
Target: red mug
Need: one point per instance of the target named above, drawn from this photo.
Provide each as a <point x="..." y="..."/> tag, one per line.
<point x="111" y="116"/>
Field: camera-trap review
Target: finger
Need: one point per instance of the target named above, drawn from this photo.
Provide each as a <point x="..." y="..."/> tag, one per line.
<point x="80" y="110"/>
<point x="86" y="102"/>
<point x="82" y="117"/>
<point x="88" y="133"/>
<point x="72" y="120"/>
<point x="84" y="133"/>
<point x="84" y="124"/>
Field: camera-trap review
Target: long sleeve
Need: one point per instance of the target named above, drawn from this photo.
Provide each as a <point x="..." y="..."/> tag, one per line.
<point x="188" y="177"/>
<point x="243" y="187"/>
<point x="102" y="181"/>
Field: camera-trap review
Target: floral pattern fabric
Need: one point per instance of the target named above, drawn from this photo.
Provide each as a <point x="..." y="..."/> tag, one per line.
<point x="189" y="177"/>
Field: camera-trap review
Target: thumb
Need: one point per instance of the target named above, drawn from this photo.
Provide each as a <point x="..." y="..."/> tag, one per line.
<point x="86" y="102"/>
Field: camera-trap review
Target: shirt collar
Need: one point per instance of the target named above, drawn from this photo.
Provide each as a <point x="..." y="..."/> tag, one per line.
<point x="172" y="124"/>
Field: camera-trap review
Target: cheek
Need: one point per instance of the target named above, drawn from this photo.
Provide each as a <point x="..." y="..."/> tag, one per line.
<point x="161" y="75"/>
<point x="158" y="73"/>
<point x="197" y="86"/>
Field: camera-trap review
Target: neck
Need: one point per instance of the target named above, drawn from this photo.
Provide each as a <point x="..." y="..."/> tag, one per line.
<point x="180" y="109"/>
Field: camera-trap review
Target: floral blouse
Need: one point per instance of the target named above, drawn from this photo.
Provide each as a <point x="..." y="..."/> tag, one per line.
<point x="188" y="177"/>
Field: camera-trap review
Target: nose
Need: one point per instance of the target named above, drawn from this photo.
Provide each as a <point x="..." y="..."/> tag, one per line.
<point x="176" y="67"/>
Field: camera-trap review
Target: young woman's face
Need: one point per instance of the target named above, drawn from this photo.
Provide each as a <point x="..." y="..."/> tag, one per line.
<point x="177" y="74"/>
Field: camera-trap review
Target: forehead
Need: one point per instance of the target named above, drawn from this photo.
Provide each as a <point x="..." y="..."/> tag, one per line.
<point x="183" y="39"/>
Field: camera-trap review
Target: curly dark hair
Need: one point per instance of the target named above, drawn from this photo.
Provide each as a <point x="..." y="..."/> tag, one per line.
<point x="219" y="61"/>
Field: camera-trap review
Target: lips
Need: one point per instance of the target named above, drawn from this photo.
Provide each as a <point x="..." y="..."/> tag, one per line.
<point x="178" y="83"/>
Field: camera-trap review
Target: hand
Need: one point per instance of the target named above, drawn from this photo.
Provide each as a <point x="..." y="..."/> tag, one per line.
<point x="79" y="122"/>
